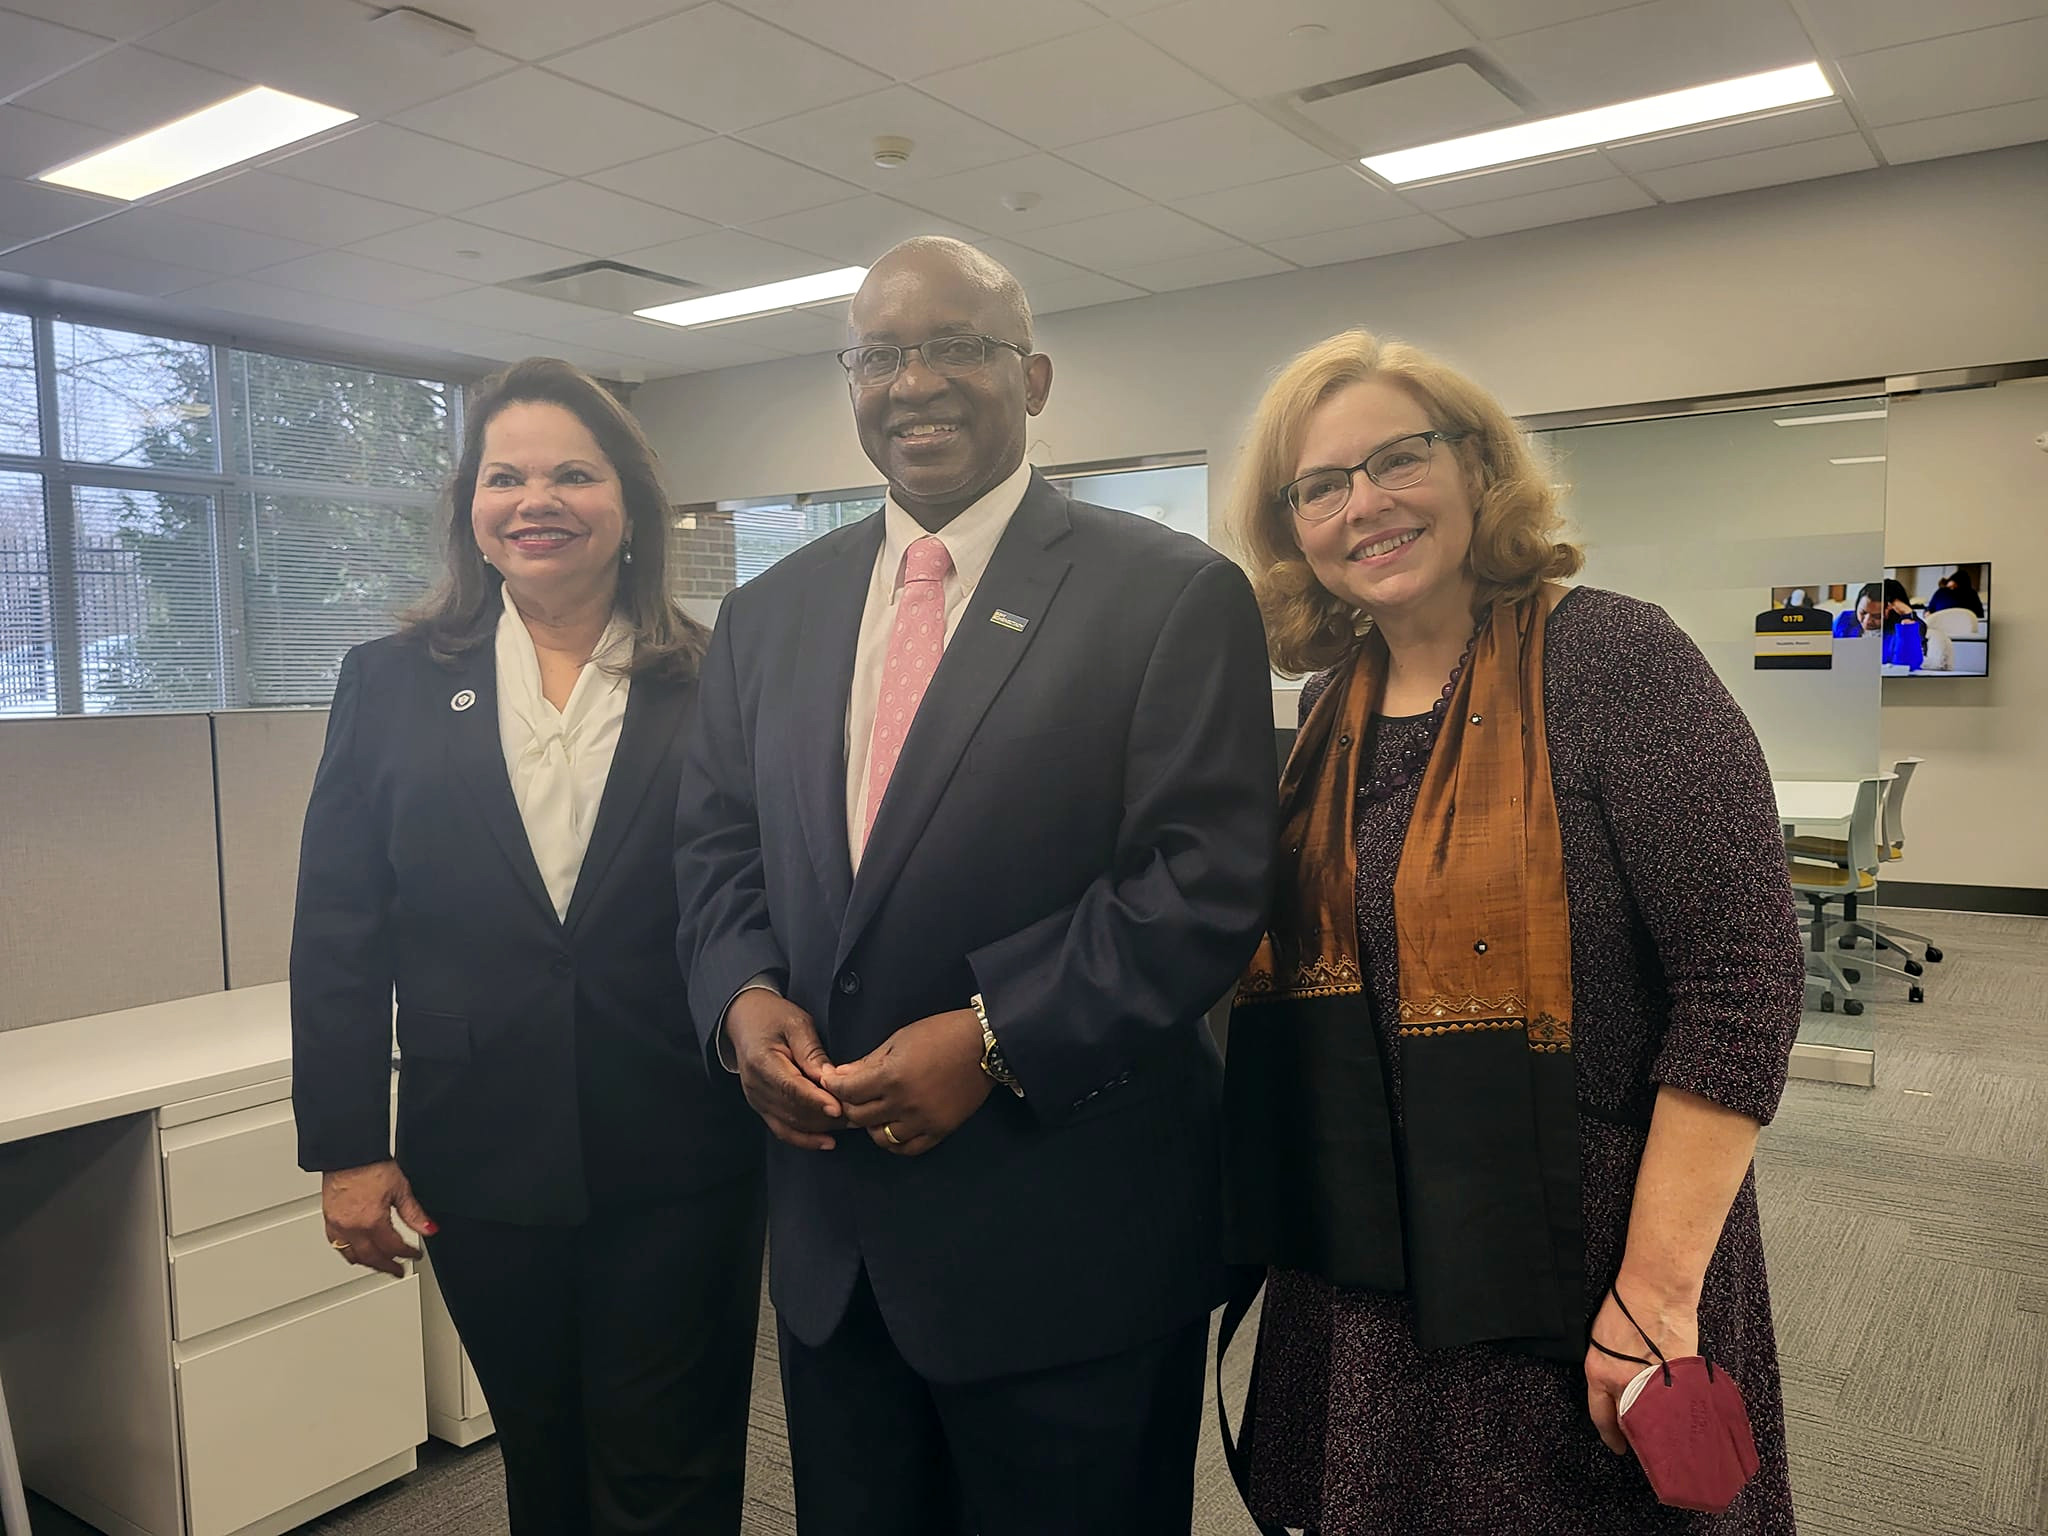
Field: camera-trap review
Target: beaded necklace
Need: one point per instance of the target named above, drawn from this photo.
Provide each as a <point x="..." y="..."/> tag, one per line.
<point x="1415" y="755"/>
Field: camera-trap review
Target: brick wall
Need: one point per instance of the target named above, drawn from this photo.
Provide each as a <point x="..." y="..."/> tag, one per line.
<point x="700" y="552"/>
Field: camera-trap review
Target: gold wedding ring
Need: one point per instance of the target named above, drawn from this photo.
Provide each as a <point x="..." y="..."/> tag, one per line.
<point x="890" y="1132"/>
<point x="339" y="1247"/>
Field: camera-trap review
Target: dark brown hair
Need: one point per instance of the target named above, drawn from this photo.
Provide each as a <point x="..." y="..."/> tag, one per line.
<point x="462" y="614"/>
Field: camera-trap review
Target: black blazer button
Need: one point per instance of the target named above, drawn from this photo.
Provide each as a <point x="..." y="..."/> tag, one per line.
<point x="849" y="982"/>
<point x="560" y="966"/>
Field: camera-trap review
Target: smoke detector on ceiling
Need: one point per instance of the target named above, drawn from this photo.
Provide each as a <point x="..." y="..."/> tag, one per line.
<point x="1020" y="202"/>
<point x="892" y="152"/>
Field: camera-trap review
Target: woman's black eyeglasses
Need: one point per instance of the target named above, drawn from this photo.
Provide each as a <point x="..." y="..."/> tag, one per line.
<point x="1321" y="494"/>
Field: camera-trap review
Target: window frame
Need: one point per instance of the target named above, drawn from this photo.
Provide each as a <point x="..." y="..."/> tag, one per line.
<point x="231" y="492"/>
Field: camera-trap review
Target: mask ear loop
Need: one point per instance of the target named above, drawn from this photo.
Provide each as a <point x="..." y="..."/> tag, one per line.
<point x="1638" y="1359"/>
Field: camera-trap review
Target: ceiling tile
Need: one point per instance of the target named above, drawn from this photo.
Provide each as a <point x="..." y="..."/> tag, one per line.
<point x="1663" y="46"/>
<point x="1445" y="103"/>
<point x="492" y="255"/>
<point x="31" y="143"/>
<point x="907" y="39"/>
<point x="1950" y="74"/>
<point x="1081" y="292"/>
<point x="63" y="260"/>
<point x="130" y="90"/>
<point x="2021" y="122"/>
<point x="693" y="350"/>
<point x="1086" y="86"/>
<point x="1053" y="191"/>
<point x="398" y="166"/>
<point x="724" y="259"/>
<point x="1762" y="168"/>
<point x="31" y="51"/>
<point x="718" y="66"/>
<point x="544" y="120"/>
<point x="1504" y="18"/>
<point x="29" y="210"/>
<point x="347" y="275"/>
<point x="248" y="296"/>
<point x="855" y="232"/>
<point x="119" y="19"/>
<point x="156" y="234"/>
<point x="1516" y="181"/>
<point x="1128" y="239"/>
<point x="1863" y="26"/>
<point x="799" y="333"/>
<point x="502" y="309"/>
<point x="1382" y="239"/>
<point x="1030" y="267"/>
<point x="1200" y="271"/>
<point x="586" y="218"/>
<point x="840" y="139"/>
<point x="1283" y="45"/>
<point x="322" y="50"/>
<point x="1229" y="147"/>
<point x="1590" y="201"/>
<point x="533" y="29"/>
<point x="1335" y="197"/>
<point x="1826" y="121"/>
<point x="297" y="210"/>
<point x="724" y="181"/>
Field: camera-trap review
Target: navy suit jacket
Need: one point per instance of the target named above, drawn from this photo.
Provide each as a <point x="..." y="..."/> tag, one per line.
<point x="549" y="1064"/>
<point x="1080" y="828"/>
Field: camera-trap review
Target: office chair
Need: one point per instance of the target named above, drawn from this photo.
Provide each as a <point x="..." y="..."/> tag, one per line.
<point x="1820" y="884"/>
<point x="1893" y="847"/>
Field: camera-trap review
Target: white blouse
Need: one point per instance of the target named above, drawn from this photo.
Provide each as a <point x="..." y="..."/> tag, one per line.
<point x="558" y="760"/>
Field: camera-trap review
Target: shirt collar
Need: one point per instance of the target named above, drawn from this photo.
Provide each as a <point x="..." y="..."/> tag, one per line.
<point x="971" y="538"/>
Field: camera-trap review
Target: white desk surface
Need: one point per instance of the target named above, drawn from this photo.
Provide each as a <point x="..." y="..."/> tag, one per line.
<point x="1811" y="800"/>
<point x="55" y="1076"/>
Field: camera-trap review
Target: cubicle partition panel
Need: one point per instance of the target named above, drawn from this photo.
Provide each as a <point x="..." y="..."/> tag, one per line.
<point x="263" y="762"/>
<point x="110" y="896"/>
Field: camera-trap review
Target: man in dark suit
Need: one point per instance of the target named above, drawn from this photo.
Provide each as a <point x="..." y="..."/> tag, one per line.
<point x="976" y="824"/>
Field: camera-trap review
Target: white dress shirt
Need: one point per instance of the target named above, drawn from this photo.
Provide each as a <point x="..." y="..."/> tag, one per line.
<point x="971" y="540"/>
<point x="558" y="759"/>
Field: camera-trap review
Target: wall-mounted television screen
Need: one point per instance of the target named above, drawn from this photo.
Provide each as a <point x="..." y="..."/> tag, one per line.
<point x="1931" y="620"/>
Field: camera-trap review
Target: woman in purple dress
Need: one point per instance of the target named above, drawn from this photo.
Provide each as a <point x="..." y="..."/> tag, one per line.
<point x="1531" y="988"/>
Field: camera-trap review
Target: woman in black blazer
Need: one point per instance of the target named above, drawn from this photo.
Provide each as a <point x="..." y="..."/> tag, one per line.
<point x="490" y="834"/>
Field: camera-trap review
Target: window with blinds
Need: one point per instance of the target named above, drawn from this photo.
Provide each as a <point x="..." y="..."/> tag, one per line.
<point x="765" y="531"/>
<point x="201" y="527"/>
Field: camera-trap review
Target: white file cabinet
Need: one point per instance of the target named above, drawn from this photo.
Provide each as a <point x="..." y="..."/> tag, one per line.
<point x="200" y="1361"/>
<point x="456" y="1410"/>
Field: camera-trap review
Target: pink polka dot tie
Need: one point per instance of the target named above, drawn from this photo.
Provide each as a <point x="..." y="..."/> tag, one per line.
<point x="916" y="641"/>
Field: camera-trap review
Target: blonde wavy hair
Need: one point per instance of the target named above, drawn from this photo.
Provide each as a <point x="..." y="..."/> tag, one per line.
<point x="1518" y="540"/>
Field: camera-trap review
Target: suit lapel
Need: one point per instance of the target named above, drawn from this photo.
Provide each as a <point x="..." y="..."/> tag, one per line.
<point x="654" y="709"/>
<point x="1020" y="582"/>
<point x="822" y="683"/>
<point x="479" y="756"/>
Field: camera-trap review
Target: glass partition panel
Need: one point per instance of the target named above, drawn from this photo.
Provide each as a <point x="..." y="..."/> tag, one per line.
<point x="1761" y="533"/>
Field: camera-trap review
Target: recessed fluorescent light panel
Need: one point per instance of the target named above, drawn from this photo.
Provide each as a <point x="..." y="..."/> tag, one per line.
<point x="1868" y="458"/>
<point x="1691" y="108"/>
<point x="224" y="134"/>
<point x="1821" y="421"/>
<point x="768" y="299"/>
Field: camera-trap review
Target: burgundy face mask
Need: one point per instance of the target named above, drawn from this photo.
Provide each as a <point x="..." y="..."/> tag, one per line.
<point x="1689" y="1427"/>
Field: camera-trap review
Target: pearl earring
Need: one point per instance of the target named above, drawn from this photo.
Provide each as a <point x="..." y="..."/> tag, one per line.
<point x="627" y="557"/>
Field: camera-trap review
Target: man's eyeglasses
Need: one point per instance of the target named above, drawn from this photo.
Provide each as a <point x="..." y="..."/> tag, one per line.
<point x="950" y="357"/>
<point x="1321" y="494"/>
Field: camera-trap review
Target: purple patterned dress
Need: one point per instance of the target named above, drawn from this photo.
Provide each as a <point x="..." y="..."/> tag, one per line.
<point x="1687" y="970"/>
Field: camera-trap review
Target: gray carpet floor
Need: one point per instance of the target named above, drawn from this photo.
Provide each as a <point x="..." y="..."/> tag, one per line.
<point x="1907" y="1233"/>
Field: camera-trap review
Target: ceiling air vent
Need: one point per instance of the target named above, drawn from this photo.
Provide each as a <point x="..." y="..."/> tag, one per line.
<point x="611" y="286"/>
<point x="1444" y="97"/>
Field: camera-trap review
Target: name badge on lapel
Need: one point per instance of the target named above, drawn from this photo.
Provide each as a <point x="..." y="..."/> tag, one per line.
<point x="462" y="700"/>
<point x="1008" y="620"/>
